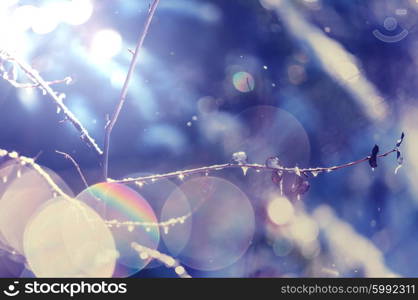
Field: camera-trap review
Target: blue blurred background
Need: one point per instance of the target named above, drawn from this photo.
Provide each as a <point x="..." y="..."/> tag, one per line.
<point x="315" y="82"/>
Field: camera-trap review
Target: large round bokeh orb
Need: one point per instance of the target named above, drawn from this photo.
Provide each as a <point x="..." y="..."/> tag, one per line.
<point x="221" y="224"/>
<point x="121" y="205"/>
<point x="157" y="193"/>
<point x="22" y="191"/>
<point x="177" y="208"/>
<point x="69" y="239"/>
<point x="268" y="131"/>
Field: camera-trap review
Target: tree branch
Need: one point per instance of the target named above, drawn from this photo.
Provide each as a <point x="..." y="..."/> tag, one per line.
<point x="76" y="165"/>
<point x="245" y="166"/>
<point x="38" y="81"/>
<point x="124" y="92"/>
<point x="19" y="85"/>
<point x="168" y="261"/>
<point x="23" y="160"/>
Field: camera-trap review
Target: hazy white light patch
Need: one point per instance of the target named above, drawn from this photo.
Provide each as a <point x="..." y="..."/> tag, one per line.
<point x="341" y="65"/>
<point x="28" y="98"/>
<point x="12" y="37"/>
<point x="147" y="106"/>
<point x="81" y="108"/>
<point x="45" y="21"/>
<point x="78" y="12"/>
<point x="164" y="136"/>
<point x="204" y="11"/>
<point x="220" y="127"/>
<point x="304" y="229"/>
<point x="5" y="5"/>
<point x="23" y="17"/>
<point x="344" y="241"/>
<point x="106" y="44"/>
<point x="118" y="78"/>
<point x="410" y="127"/>
<point x="210" y="12"/>
<point x="12" y="40"/>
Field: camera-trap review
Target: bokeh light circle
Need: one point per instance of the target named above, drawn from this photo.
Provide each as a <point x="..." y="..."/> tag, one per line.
<point x="222" y="223"/>
<point x="106" y="44"/>
<point x="157" y="193"/>
<point x="280" y="210"/>
<point x="177" y="236"/>
<point x="78" y="12"/>
<point x="118" y="202"/>
<point x="268" y="131"/>
<point x="24" y="16"/>
<point x="243" y="82"/>
<point x="25" y="190"/>
<point x="69" y="239"/>
<point x="44" y="21"/>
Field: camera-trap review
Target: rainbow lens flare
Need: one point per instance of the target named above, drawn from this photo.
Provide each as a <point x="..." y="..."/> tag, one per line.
<point x="157" y="194"/>
<point x="131" y="219"/>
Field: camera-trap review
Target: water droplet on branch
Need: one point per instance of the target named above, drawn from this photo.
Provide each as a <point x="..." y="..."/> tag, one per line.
<point x="273" y="162"/>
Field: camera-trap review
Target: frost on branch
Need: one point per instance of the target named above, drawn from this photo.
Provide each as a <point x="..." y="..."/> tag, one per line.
<point x="399" y="157"/>
<point x="240" y="157"/>
<point x="297" y="179"/>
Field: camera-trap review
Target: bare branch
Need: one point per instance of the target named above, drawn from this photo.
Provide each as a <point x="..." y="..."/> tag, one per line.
<point x="23" y="160"/>
<point x="66" y="80"/>
<point x="76" y="165"/>
<point x="258" y="167"/>
<point x="164" y="224"/>
<point x="124" y="92"/>
<point x="168" y="261"/>
<point x="34" y="76"/>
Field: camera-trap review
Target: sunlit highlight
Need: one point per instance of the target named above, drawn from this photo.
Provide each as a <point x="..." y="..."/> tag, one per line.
<point x="78" y="12"/>
<point x="106" y="44"/>
<point x="45" y="21"/>
<point x="280" y="211"/>
<point x="68" y="239"/>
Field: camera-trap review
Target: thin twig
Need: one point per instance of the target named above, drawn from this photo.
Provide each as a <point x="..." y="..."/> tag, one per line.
<point x="34" y="76"/>
<point x="19" y="85"/>
<point x="124" y="92"/>
<point x="258" y="167"/>
<point x="76" y="165"/>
